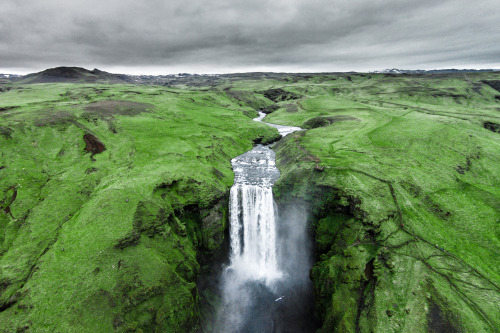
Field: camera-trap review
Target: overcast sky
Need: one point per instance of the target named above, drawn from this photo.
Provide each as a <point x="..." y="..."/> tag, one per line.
<point x="220" y="36"/>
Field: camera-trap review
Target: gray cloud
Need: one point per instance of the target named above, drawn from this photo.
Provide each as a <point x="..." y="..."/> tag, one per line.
<point x="227" y="36"/>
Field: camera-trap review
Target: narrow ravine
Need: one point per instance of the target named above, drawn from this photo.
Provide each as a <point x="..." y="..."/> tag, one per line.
<point x="263" y="289"/>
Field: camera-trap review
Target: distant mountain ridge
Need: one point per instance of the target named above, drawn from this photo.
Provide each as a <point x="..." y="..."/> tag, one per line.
<point x="82" y="75"/>
<point x="431" y="71"/>
<point x="73" y="75"/>
<point x="9" y="76"/>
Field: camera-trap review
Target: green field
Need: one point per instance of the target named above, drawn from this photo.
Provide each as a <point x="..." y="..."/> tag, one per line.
<point x="115" y="195"/>
<point x="111" y="241"/>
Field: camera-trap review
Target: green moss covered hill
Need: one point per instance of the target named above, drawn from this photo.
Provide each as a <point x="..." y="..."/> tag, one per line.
<point x="113" y="196"/>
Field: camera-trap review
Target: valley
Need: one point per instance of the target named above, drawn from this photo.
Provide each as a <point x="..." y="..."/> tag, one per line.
<point x="115" y="196"/>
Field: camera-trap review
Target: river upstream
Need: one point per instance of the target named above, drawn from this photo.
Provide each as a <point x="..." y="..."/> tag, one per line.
<point x="266" y="286"/>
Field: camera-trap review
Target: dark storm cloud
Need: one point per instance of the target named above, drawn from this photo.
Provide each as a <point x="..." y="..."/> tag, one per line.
<point x="222" y="36"/>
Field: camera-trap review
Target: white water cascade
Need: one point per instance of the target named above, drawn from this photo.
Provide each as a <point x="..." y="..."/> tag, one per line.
<point x="252" y="217"/>
<point x="253" y="271"/>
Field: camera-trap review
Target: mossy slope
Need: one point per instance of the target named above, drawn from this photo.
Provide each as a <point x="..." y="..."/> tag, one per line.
<point x="109" y="239"/>
<point x="405" y="200"/>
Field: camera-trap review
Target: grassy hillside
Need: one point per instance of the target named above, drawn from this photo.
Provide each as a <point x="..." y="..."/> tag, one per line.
<point x="402" y="173"/>
<point x="112" y="196"/>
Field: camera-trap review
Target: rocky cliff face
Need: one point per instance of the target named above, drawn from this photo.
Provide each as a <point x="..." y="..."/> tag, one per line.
<point x="376" y="270"/>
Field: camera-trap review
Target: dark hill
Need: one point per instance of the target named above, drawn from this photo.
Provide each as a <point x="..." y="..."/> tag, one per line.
<point x="73" y="75"/>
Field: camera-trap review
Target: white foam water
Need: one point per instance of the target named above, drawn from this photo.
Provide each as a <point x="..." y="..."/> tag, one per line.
<point x="253" y="269"/>
<point x="253" y="232"/>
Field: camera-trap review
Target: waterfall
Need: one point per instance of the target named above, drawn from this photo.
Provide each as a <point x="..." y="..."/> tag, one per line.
<point x="252" y="211"/>
<point x="253" y="231"/>
<point x="252" y="228"/>
<point x="253" y="284"/>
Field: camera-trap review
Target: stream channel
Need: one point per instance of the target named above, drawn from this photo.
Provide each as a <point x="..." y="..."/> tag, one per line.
<point x="265" y="286"/>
